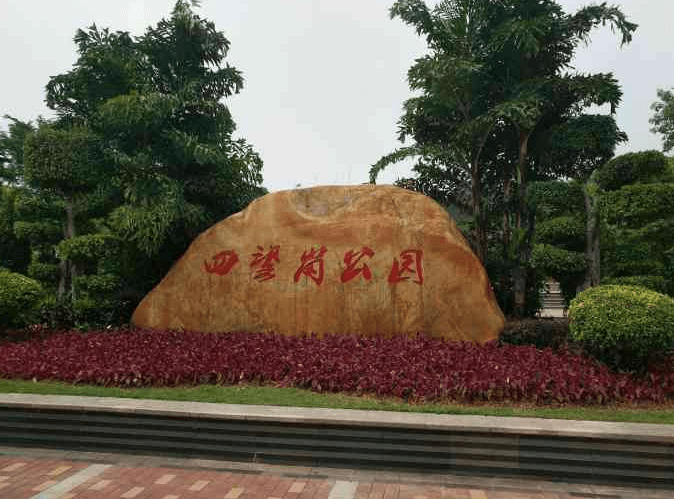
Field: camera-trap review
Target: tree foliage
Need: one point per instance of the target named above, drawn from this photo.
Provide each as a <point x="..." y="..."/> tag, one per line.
<point x="645" y="166"/>
<point x="451" y="120"/>
<point x="498" y="106"/>
<point x="638" y="209"/>
<point x="11" y="149"/>
<point x="14" y="252"/>
<point x="663" y="118"/>
<point x="65" y="162"/>
<point x="156" y="102"/>
<point x="559" y="242"/>
<point x="141" y="158"/>
<point x="18" y="296"/>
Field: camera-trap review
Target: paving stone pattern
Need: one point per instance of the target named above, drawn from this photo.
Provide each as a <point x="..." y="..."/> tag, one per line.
<point x="28" y="477"/>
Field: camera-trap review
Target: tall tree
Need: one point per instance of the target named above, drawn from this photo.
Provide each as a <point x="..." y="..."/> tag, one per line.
<point x="518" y="89"/>
<point x="157" y="103"/>
<point x="559" y="241"/>
<point x="575" y="150"/>
<point x="69" y="165"/>
<point x="530" y="54"/>
<point x="451" y="120"/>
<point x="637" y="203"/>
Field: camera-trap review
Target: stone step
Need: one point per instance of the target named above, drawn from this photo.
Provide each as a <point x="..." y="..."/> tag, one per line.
<point x="551" y="286"/>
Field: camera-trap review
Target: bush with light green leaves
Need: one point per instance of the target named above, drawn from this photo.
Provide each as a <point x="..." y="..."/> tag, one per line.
<point x="623" y="326"/>
<point x="18" y="297"/>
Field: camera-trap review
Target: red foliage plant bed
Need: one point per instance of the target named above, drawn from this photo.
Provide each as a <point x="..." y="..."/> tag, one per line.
<point x="417" y="369"/>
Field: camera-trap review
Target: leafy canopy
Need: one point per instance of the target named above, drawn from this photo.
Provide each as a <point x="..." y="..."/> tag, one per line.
<point x="663" y="118"/>
<point x="157" y="103"/>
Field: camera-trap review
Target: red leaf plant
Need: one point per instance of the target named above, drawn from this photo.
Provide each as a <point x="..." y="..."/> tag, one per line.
<point x="419" y="369"/>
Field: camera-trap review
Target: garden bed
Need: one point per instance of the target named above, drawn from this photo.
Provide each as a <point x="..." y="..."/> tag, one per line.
<point x="417" y="370"/>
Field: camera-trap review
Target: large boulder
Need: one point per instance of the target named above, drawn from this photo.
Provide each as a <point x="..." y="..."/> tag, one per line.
<point x="372" y="260"/>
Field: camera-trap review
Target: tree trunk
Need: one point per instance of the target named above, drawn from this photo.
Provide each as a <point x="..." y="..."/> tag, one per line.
<point x="63" y="279"/>
<point x="70" y="233"/>
<point x="523" y="250"/>
<point x="478" y="212"/>
<point x="507" y="193"/>
<point x="592" y="252"/>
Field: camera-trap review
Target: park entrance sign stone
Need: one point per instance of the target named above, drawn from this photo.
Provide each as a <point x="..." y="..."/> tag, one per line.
<point x="367" y="259"/>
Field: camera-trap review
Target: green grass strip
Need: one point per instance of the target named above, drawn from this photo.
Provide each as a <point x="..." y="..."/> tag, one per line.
<point x="305" y="398"/>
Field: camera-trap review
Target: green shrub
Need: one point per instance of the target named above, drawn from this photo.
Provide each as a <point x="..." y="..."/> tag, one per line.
<point x="45" y="272"/>
<point x="56" y="313"/>
<point x="63" y="159"/>
<point x="555" y="261"/>
<point x="45" y="206"/>
<point x="567" y="231"/>
<point x="14" y="254"/>
<point x="49" y="230"/>
<point x="629" y="168"/>
<point x="83" y="313"/>
<point x="639" y="267"/>
<point x="655" y="283"/>
<point x="638" y="204"/>
<point x="623" y="325"/>
<point x="624" y="259"/>
<point x="102" y="284"/>
<point x="553" y="198"/>
<point x="18" y="297"/>
<point x="89" y="312"/>
<point x="88" y="247"/>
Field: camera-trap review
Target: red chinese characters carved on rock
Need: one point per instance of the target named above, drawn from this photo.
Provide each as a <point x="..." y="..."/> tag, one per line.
<point x="265" y="262"/>
<point x="312" y="265"/>
<point x="351" y="259"/>
<point x="222" y="263"/>
<point x="410" y="263"/>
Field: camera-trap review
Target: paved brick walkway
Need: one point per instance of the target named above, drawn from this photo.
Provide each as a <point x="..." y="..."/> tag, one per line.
<point x="32" y="477"/>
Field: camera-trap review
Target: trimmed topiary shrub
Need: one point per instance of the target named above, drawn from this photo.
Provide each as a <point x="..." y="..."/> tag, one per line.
<point x="554" y="198"/>
<point x="639" y="204"/>
<point x="566" y="267"/>
<point x="554" y="261"/>
<point x="623" y="326"/>
<point x="18" y="296"/>
<point x="567" y="231"/>
<point x="56" y="313"/>
<point x="624" y="259"/>
<point x="88" y="247"/>
<point x="45" y="272"/>
<point x="634" y="167"/>
<point x="655" y="283"/>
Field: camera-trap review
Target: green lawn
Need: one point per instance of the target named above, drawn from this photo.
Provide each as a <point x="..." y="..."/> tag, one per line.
<point x="304" y="398"/>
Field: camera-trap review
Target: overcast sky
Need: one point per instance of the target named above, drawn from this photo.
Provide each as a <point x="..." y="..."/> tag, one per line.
<point x="324" y="79"/>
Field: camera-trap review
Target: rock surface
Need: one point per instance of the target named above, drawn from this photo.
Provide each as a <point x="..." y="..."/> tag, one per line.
<point x="367" y="259"/>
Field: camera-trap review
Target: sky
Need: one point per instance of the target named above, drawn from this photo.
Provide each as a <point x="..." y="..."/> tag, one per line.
<point x="324" y="79"/>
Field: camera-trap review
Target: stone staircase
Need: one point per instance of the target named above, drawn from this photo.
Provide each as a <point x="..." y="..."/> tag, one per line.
<point x="553" y="300"/>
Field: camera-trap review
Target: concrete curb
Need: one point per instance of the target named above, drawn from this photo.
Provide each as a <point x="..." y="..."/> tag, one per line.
<point x="598" y="452"/>
<point x="203" y="410"/>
